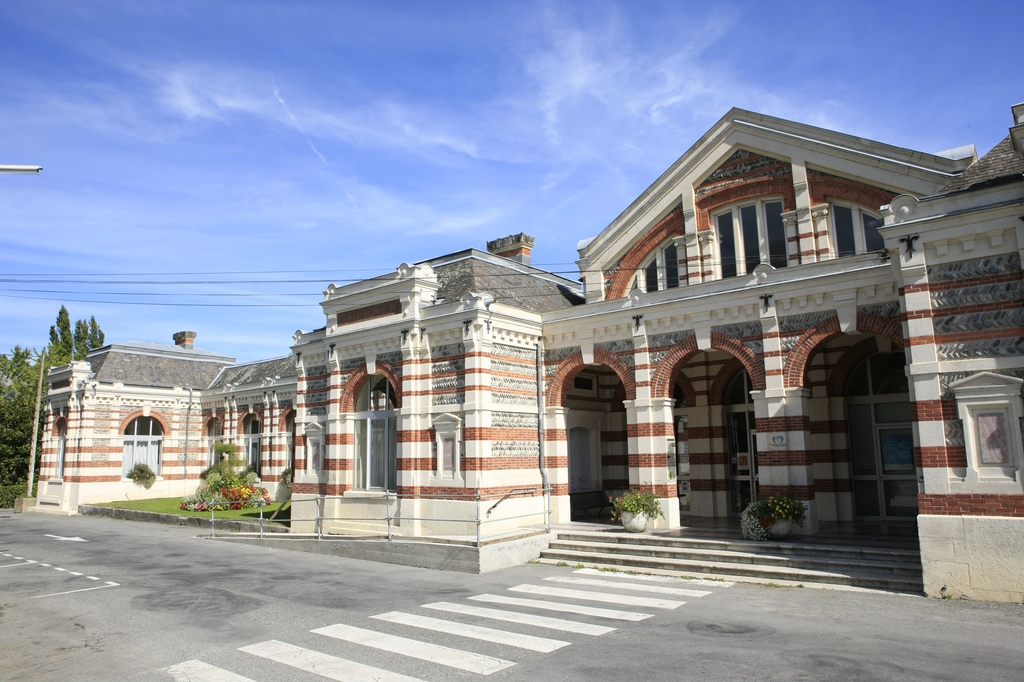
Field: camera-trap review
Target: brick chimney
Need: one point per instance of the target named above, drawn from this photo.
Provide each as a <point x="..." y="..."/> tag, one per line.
<point x="184" y="339"/>
<point x="516" y="247"/>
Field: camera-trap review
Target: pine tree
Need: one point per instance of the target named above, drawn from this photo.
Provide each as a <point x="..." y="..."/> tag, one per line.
<point x="97" y="338"/>
<point x="81" y="340"/>
<point x="62" y="341"/>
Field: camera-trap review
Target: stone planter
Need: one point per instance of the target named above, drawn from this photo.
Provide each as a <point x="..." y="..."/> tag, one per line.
<point x="780" y="529"/>
<point x="634" y="523"/>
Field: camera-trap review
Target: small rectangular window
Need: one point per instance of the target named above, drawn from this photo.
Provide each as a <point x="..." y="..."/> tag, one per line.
<point x="778" y="252"/>
<point x="993" y="439"/>
<point x="751" y="239"/>
<point x="843" y="223"/>
<point x="727" y="245"/>
<point x="583" y="383"/>
<point x="449" y="454"/>
<point x="671" y="267"/>
<point x="651" y="276"/>
<point x="872" y="240"/>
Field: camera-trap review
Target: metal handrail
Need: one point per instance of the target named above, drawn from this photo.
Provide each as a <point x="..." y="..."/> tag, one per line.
<point x="517" y="491"/>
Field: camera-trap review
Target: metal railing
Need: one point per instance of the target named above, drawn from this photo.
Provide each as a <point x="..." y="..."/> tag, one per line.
<point x="392" y="516"/>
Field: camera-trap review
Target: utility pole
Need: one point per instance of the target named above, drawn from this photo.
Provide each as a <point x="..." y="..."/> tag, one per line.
<point x="35" y="424"/>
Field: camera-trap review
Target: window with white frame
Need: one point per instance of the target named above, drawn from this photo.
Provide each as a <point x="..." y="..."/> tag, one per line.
<point x="855" y="230"/>
<point x="376" y="426"/>
<point x="448" y="431"/>
<point x="214" y="435"/>
<point x="62" y="447"/>
<point x="662" y="271"/>
<point x="751" y="234"/>
<point x="252" y="436"/>
<point x="143" y="441"/>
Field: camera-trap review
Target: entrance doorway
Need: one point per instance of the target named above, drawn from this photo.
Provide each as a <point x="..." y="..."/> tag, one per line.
<point x="881" y="439"/>
<point x="582" y="474"/>
<point x="741" y="443"/>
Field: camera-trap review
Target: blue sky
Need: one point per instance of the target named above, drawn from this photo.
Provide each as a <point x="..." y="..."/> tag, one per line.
<point x="339" y="139"/>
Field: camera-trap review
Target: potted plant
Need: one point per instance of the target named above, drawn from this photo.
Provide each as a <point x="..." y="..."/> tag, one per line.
<point x="636" y="508"/>
<point x="771" y="517"/>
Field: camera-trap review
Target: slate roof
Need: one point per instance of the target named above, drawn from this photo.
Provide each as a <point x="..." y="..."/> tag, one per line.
<point x="509" y="285"/>
<point x="999" y="166"/>
<point x="138" y="363"/>
<point x="255" y="372"/>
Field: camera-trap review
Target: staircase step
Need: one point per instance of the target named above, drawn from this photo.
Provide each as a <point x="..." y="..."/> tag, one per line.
<point x="764" y="572"/>
<point x="723" y="556"/>
<point x="894" y="555"/>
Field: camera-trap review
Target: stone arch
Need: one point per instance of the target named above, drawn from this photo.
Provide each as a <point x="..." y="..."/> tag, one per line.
<point x="558" y="386"/>
<point x="240" y="423"/>
<point x="724" y="377"/>
<point x="282" y="421"/>
<point x="680" y="379"/>
<point x="823" y="186"/>
<point x="162" y="420"/>
<point x="811" y="341"/>
<point x="750" y="189"/>
<point x="206" y="423"/>
<point x="360" y="376"/>
<point x="661" y="384"/>
<point x="61" y="419"/>
<point x="836" y="384"/>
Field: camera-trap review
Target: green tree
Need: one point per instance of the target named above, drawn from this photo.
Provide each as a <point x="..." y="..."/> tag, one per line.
<point x="18" y="377"/>
<point x="62" y="342"/>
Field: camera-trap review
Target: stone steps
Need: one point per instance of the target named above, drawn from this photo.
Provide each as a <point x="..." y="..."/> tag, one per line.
<point x="897" y="569"/>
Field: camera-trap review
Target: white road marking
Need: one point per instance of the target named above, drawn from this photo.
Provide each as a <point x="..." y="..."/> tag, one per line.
<point x="74" y="573"/>
<point x="91" y="577"/>
<point x="626" y="599"/>
<point x="197" y="671"/>
<point x="59" y="569"/>
<point x="87" y="589"/>
<point x="47" y="565"/>
<point x="442" y="655"/>
<point x="23" y="563"/>
<point x="559" y="606"/>
<point x="657" y="589"/>
<point x="524" y="618"/>
<point x="64" y="539"/>
<point x="321" y="664"/>
<point x="541" y="644"/>
<point x="20" y="558"/>
<point x="654" y="578"/>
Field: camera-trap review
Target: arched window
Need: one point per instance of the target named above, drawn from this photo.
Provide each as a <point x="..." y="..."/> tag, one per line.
<point x="376" y="431"/>
<point x="214" y="434"/>
<point x="62" y="447"/>
<point x="881" y="438"/>
<point x="662" y="272"/>
<point x="143" y="440"/>
<point x="252" y="430"/>
<point x="289" y="427"/>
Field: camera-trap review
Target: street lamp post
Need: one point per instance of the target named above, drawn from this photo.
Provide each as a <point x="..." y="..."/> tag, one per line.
<point x="35" y="424"/>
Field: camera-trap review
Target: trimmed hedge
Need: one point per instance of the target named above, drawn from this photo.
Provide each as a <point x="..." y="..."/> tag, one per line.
<point x="8" y="493"/>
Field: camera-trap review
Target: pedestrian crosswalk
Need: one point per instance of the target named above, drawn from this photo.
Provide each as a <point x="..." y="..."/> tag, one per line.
<point x="626" y="591"/>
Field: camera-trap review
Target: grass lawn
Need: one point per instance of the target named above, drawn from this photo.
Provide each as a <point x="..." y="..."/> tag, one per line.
<point x="170" y="505"/>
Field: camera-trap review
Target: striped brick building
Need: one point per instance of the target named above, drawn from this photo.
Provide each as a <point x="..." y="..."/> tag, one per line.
<point x="786" y="310"/>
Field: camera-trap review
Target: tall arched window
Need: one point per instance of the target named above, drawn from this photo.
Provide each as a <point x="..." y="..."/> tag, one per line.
<point x="143" y="440"/>
<point x="214" y="434"/>
<point x="62" y="447"/>
<point x="289" y="427"/>
<point x="376" y="429"/>
<point x="252" y="430"/>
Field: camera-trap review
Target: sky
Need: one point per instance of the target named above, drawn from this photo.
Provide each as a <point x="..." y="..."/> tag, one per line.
<point x="268" y="149"/>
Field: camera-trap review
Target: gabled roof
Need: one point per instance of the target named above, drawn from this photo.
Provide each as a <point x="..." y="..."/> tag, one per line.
<point x="1001" y="165"/>
<point x="255" y="372"/>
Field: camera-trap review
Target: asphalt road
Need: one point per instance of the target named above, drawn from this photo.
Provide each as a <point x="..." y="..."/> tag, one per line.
<point x="139" y="601"/>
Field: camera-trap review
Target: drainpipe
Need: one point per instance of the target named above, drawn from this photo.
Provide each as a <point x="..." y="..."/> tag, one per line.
<point x="540" y="436"/>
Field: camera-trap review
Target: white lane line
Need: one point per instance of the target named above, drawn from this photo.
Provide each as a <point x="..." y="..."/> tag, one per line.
<point x="322" y="664"/>
<point x="442" y="655"/>
<point x="655" y="578"/>
<point x="74" y="573"/>
<point x="197" y="671"/>
<point x="59" y="569"/>
<point x="625" y="599"/>
<point x="47" y="565"/>
<point x="87" y="589"/>
<point x="20" y="558"/>
<point x="23" y="563"/>
<point x="655" y="589"/>
<point x="524" y="618"/>
<point x="529" y="642"/>
<point x="559" y="606"/>
<point x="91" y="577"/>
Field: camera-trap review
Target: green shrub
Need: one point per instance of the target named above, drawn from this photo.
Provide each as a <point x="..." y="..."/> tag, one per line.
<point x="8" y="493"/>
<point x="142" y="475"/>
<point x="759" y="516"/>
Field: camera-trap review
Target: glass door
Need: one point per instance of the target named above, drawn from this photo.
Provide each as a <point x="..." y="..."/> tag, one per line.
<point x="742" y="445"/>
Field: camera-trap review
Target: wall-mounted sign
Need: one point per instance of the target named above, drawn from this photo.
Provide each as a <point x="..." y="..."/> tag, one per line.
<point x="777" y="440"/>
